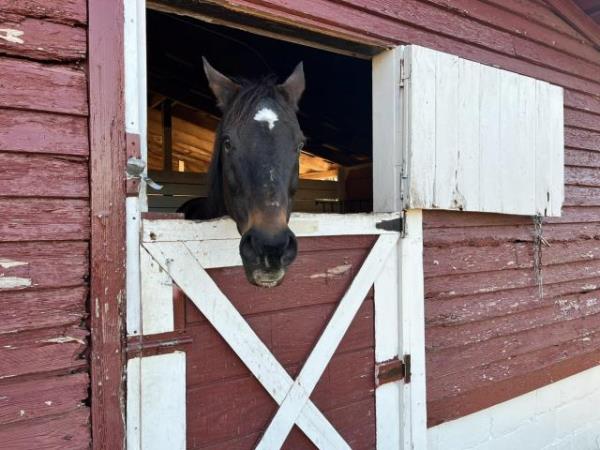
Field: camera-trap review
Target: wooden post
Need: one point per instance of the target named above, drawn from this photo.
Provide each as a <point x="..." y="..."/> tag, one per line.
<point x="167" y="136"/>
<point x="108" y="193"/>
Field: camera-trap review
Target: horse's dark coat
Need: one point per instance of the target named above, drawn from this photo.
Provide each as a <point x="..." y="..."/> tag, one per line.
<point x="253" y="174"/>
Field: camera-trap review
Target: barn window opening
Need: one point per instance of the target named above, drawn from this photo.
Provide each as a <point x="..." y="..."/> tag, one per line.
<point x="335" y="112"/>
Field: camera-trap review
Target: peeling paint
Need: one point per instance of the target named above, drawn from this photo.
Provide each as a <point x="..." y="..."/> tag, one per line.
<point x="64" y="340"/>
<point x="12" y="35"/>
<point x="14" y="282"/>
<point x="6" y="263"/>
<point x="338" y="270"/>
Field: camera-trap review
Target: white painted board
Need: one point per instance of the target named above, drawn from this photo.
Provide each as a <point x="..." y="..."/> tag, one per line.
<point x="479" y="138"/>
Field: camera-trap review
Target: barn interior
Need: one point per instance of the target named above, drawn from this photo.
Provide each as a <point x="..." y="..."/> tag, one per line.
<point x="335" y="112"/>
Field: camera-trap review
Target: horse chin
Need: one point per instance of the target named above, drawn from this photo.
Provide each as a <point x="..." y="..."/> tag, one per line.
<point x="266" y="279"/>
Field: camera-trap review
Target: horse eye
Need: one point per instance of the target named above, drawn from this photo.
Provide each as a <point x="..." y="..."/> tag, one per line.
<point x="226" y="144"/>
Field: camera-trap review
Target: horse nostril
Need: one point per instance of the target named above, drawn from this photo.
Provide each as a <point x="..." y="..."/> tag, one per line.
<point x="290" y="250"/>
<point x="247" y="248"/>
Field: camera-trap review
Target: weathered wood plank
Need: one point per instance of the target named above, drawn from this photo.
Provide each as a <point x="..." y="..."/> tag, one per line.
<point x="550" y="366"/>
<point x="568" y="308"/>
<point x="56" y="350"/>
<point x="453" y="219"/>
<point x="39" y="132"/>
<point x="530" y="20"/>
<point x="43" y="176"/>
<point x="35" y="219"/>
<point x="536" y="356"/>
<point x="63" y="432"/>
<point x="28" y="400"/>
<point x="582" y="176"/>
<point x="108" y="156"/>
<point x="490" y="235"/>
<point x="582" y="119"/>
<point x="582" y="196"/>
<point x="473" y="284"/>
<point x="506" y="256"/>
<point x="582" y="158"/>
<point x="42" y="87"/>
<point x="67" y="11"/>
<point x="30" y="310"/>
<point x="43" y="264"/>
<point x="41" y="39"/>
<point x="582" y="139"/>
<point x="462" y="310"/>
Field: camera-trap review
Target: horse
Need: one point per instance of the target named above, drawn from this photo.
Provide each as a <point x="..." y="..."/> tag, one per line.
<point x="253" y="173"/>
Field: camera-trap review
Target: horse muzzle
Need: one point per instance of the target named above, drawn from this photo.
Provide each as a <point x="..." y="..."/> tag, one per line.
<point x="266" y="256"/>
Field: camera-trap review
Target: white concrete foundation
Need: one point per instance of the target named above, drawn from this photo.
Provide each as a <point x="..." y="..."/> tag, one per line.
<point x="561" y="416"/>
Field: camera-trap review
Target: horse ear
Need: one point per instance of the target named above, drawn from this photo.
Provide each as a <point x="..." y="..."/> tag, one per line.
<point x="223" y="88"/>
<point x="293" y="87"/>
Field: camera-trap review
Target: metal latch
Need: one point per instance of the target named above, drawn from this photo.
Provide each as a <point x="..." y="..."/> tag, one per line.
<point x="394" y="369"/>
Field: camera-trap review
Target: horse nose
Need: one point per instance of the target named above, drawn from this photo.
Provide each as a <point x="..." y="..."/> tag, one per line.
<point x="272" y="251"/>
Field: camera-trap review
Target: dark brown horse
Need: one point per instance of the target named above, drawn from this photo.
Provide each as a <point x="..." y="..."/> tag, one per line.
<point x="254" y="169"/>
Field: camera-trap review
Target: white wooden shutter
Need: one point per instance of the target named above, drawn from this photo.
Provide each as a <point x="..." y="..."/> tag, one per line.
<point x="477" y="138"/>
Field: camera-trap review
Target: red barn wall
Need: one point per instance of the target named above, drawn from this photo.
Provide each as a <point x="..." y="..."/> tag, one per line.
<point x="44" y="225"/>
<point x="490" y="336"/>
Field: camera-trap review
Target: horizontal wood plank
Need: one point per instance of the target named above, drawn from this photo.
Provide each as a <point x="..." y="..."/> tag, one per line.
<point x="62" y="11"/>
<point x="482" y="307"/>
<point x="548" y="369"/>
<point x="43" y="87"/>
<point x="43" y="176"/>
<point x="42" y="40"/>
<point x="551" y="311"/>
<point x="21" y="401"/>
<point x="35" y="309"/>
<point x="56" y="350"/>
<point x="39" y="132"/>
<point x="36" y="219"/>
<point x="43" y="265"/>
<point x="65" y="432"/>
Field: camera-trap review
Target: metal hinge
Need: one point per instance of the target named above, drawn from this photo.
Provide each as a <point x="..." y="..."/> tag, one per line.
<point x="394" y="369"/>
<point x="398" y="224"/>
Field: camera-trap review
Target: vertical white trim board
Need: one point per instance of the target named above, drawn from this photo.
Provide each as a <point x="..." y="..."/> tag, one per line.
<point x="156" y="402"/>
<point x="412" y="331"/>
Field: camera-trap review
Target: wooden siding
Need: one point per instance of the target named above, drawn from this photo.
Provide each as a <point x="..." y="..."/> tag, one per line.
<point x="490" y="336"/>
<point x="44" y="226"/>
<point x="227" y="407"/>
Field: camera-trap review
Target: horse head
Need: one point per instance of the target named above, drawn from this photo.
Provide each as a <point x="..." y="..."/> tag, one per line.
<point x="254" y="170"/>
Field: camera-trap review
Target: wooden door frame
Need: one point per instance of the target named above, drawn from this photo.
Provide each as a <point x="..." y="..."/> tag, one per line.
<point x="107" y="212"/>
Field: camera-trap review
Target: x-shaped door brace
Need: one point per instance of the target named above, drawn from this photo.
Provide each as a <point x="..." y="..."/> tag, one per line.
<point x="292" y="396"/>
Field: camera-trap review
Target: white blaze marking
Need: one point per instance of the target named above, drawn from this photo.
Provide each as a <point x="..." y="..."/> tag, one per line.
<point x="11" y="35"/>
<point x="266" y="115"/>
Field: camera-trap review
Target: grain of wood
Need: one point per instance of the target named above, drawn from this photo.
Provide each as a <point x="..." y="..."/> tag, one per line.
<point x="40" y="132"/>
